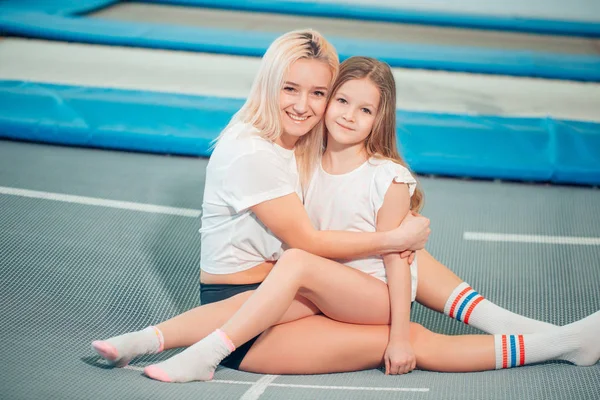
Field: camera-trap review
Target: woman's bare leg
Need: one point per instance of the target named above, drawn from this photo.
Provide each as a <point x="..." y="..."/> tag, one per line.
<point x="317" y="345"/>
<point x="340" y="292"/>
<point x="186" y="329"/>
<point x="443" y="291"/>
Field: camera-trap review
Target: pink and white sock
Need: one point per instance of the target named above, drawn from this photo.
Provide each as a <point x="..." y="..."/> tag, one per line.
<point x="576" y="343"/>
<point x="196" y="363"/>
<point x="468" y="306"/>
<point x="120" y="350"/>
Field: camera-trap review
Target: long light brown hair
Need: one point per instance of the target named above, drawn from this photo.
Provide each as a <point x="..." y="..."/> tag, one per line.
<point x="261" y="109"/>
<point x="382" y="141"/>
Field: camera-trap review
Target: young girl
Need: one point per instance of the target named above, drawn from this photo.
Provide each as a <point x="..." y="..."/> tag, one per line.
<point x="252" y="205"/>
<point x="362" y="185"/>
<point x="252" y="200"/>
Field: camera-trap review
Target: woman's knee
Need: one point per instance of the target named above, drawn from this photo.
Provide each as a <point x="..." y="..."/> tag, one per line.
<point x="417" y="332"/>
<point x="423" y="342"/>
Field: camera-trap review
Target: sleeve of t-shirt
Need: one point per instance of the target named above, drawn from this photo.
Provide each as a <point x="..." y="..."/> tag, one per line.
<point x="384" y="176"/>
<point x="255" y="178"/>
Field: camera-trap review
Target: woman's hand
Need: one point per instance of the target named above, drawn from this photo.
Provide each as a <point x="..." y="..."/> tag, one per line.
<point x="412" y="234"/>
<point x="399" y="357"/>
<point x="410" y="255"/>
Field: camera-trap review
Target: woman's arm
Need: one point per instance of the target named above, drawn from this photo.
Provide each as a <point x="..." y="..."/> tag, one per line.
<point x="399" y="357"/>
<point x="287" y="219"/>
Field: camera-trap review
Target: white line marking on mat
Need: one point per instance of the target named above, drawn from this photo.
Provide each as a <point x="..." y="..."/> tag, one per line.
<point x="261" y="385"/>
<point x="374" y="389"/>
<point x="258" y="388"/>
<point x="93" y="201"/>
<point x="504" y="237"/>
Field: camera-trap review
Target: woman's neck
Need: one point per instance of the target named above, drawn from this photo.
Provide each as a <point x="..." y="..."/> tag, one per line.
<point x="286" y="141"/>
<point x="341" y="159"/>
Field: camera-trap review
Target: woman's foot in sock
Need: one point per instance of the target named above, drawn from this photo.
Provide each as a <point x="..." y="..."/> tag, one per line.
<point x="196" y="363"/>
<point x="120" y="350"/>
<point x="585" y="333"/>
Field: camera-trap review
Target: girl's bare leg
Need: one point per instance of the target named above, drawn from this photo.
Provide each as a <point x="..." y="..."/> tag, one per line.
<point x="340" y="292"/>
<point x="435" y="282"/>
<point x="443" y="291"/>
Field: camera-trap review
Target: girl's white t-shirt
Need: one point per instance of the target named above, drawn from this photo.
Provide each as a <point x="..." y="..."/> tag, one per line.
<point x="244" y="170"/>
<point x="351" y="201"/>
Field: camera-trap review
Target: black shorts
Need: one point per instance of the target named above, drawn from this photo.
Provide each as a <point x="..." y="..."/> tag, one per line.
<point x="214" y="293"/>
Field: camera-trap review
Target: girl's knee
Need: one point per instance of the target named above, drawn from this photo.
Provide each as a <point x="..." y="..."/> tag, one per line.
<point x="298" y="265"/>
<point x="292" y="256"/>
<point x="294" y="260"/>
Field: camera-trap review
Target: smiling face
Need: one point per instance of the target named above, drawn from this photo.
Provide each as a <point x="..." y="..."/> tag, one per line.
<point x="303" y="98"/>
<point x="351" y="112"/>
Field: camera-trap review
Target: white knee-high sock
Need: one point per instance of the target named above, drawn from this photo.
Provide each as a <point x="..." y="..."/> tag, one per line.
<point x="119" y="350"/>
<point x="197" y="363"/>
<point x="577" y="343"/>
<point x="468" y="306"/>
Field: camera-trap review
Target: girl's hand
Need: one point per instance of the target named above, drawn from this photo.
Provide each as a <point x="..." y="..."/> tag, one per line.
<point x="399" y="357"/>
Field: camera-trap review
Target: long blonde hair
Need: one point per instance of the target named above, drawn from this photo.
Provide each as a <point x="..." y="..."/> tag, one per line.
<point x="261" y="109"/>
<point x="382" y="142"/>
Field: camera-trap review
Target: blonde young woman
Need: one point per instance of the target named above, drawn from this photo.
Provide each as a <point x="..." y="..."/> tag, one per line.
<point x="253" y="198"/>
<point x="303" y="284"/>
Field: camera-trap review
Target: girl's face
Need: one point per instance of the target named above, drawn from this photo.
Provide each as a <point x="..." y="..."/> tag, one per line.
<point x="303" y="98"/>
<point x="351" y="112"/>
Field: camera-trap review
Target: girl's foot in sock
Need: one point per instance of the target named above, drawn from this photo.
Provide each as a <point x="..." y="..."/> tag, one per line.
<point x="196" y="363"/>
<point x="468" y="306"/>
<point x="120" y="350"/>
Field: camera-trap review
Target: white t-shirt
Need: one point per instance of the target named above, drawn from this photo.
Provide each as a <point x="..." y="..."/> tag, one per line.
<point x="244" y="170"/>
<point x="351" y="201"/>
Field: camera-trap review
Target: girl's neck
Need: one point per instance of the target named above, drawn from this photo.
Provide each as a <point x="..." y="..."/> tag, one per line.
<point x="341" y="159"/>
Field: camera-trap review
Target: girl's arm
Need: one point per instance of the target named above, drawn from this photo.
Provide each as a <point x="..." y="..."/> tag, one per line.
<point x="399" y="357"/>
<point x="286" y="217"/>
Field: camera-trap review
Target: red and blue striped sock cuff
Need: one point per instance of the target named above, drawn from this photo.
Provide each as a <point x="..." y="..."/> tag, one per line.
<point x="463" y="303"/>
<point x="510" y="351"/>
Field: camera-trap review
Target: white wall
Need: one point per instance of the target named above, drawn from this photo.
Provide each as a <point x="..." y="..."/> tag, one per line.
<point x="582" y="10"/>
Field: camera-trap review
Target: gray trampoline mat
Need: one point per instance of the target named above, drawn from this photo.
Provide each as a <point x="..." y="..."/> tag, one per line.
<point x="351" y="29"/>
<point x="73" y="273"/>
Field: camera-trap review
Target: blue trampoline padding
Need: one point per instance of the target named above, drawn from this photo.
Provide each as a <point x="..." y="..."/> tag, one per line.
<point x="524" y="149"/>
<point x="475" y="60"/>
<point x="56" y="7"/>
<point x="393" y="14"/>
<point x="577" y="151"/>
<point x="116" y="119"/>
<point x="529" y="149"/>
<point x="337" y="10"/>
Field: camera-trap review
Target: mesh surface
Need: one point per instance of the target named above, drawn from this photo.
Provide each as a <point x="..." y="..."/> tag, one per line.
<point x="74" y="273"/>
